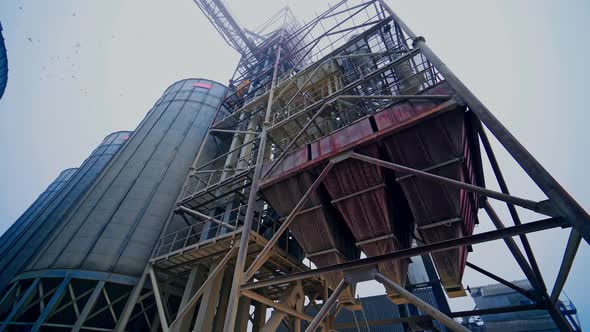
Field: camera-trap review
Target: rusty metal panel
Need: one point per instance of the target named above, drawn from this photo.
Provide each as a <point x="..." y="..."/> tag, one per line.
<point x="318" y="227"/>
<point x="290" y="162"/>
<point x="441" y="213"/>
<point x="342" y="139"/>
<point x="358" y="190"/>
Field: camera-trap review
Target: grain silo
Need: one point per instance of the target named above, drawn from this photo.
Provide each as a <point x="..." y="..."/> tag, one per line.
<point x="29" y="232"/>
<point x="103" y="245"/>
<point x="38" y="206"/>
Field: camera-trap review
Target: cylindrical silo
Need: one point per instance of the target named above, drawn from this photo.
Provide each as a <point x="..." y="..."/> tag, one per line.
<point x="3" y="64"/>
<point x="110" y="234"/>
<point x="22" y="223"/>
<point x="30" y="231"/>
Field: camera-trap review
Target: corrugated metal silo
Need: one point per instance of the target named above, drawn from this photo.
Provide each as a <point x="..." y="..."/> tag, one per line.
<point x="116" y="226"/>
<point x="38" y="206"/>
<point x="38" y="222"/>
<point x="102" y="246"/>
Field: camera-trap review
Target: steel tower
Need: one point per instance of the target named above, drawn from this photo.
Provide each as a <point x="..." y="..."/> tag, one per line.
<point x="347" y="129"/>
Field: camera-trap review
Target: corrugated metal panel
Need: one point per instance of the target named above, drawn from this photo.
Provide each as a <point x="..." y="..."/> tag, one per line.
<point x="318" y="228"/>
<point x="3" y="64"/>
<point x="19" y="252"/>
<point x="372" y="210"/>
<point x="439" y="146"/>
<point x="38" y="206"/>
<point x="116" y="225"/>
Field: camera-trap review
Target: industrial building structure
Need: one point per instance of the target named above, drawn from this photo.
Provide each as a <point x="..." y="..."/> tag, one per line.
<point x="498" y="295"/>
<point x="341" y="136"/>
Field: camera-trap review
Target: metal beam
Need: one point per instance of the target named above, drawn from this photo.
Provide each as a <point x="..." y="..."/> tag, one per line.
<point x="130" y="304"/>
<point x="8" y="294"/>
<point x="512" y="247"/>
<point x="528" y="204"/>
<point x="206" y="217"/>
<point x="88" y="306"/>
<point x="278" y="306"/>
<point x="158" y="295"/>
<point x="327" y="306"/>
<point x="232" y="307"/>
<point x="499" y="310"/>
<point x="55" y="299"/>
<point x="568" y="259"/>
<point x="504" y="282"/>
<point x="193" y="301"/>
<point x="423" y="306"/>
<point x="530" y="227"/>
<point x="513" y="213"/>
<point x="262" y="257"/>
<point x="20" y="304"/>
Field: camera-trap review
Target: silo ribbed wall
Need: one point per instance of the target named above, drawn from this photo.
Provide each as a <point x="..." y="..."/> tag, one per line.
<point x="116" y="225"/>
<point x="20" y="247"/>
<point x="23" y="222"/>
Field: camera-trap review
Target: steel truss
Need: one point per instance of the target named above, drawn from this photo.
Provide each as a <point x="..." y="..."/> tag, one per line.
<point x="72" y="300"/>
<point x="274" y="107"/>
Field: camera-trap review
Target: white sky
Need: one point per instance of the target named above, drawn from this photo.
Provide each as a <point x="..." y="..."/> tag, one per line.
<point x="94" y="67"/>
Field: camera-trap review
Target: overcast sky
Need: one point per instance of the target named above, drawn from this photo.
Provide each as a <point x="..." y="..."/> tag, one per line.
<point x="81" y="69"/>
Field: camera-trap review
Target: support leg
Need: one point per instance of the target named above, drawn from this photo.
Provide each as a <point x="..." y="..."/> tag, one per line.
<point x="327" y="306"/>
<point x="243" y="315"/>
<point x="206" y="313"/>
<point x="223" y="300"/>
<point x="288" y="299"/>
<point x="259" y="316"/>
<point x="20" y="305"/>
<point x="55" y="300"/>
<point x="425" y="307"/>
<point x="159" y="303"/>
<point x="88" y="306"/>
<point x="131" y="301"/>
<point x="195" y="279"/>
